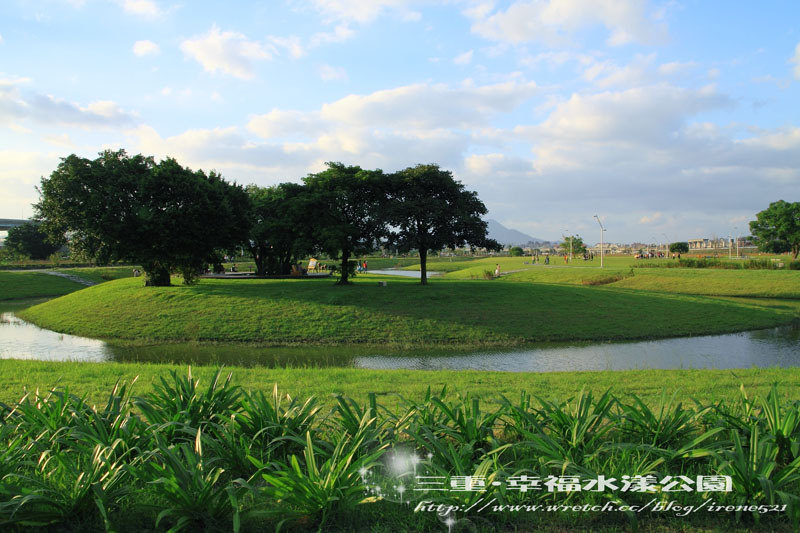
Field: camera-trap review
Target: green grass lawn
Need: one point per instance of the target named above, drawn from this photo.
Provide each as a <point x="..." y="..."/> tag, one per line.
<point x="404" y="313"/>
<point x="16" y="285"/>
<point x="95" y="380"/>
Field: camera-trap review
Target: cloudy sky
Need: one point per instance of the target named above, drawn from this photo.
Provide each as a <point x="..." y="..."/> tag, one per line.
<point x="670" y="119"/>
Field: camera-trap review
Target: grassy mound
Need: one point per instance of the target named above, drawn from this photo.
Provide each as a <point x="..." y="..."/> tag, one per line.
<point x="470" y="313"/>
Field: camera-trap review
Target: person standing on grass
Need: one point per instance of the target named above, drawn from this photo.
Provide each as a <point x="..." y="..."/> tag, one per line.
<point x="497" y="270"/>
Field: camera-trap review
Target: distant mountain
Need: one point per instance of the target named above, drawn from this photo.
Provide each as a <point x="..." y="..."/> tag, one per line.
<point x="509" y="236"/>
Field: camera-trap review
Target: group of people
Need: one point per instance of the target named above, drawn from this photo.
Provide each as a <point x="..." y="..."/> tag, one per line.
<point x="361" y="266"/>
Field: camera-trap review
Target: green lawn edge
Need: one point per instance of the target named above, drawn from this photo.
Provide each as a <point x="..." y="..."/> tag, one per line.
<point x="96" y="380"/>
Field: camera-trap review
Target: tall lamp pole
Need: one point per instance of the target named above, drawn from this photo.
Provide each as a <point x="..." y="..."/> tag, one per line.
<point x="602" y="229"/>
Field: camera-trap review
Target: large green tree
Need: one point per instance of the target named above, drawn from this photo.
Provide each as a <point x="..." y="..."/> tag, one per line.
<point x="161" y="215"/>
<point x="28" y="239"/>
<point x="777" y="228"/>
<point x="427" y="209"/>
<point x="345" y="212"/>
<point x="279" y="234"/>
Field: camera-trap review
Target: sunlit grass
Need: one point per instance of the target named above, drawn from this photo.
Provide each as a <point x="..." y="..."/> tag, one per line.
<point x="403" y="313"/>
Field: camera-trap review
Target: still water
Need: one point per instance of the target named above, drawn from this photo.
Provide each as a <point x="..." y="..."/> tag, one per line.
<point x="763" y="348"/>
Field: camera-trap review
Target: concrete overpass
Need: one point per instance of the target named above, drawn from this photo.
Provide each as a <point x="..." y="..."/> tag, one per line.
<point x="8" y="223"/>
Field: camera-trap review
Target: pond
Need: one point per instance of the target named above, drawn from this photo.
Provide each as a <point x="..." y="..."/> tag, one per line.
<point x="762" y="348"/>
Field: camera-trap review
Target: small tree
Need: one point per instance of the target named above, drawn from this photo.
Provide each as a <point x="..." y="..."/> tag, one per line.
<point x="29" y="240"/>
<point x="576" y="241"/>
<point x="515" y="251"/>
<point x="679" y="247"/>
<point x="345" y="212"/>
<point x="429" y="210"/>
<point x="777" y="228"/>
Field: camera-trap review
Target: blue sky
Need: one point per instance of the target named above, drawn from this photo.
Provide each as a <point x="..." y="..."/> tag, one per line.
<point x="671" y="120"/>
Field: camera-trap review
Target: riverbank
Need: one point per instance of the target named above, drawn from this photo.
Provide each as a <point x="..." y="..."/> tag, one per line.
<point x="403" y="313"/>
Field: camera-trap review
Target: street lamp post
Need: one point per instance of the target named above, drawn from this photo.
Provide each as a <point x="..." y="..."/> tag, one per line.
<point x="602" y="229"/>
<point x="570" y="245"/>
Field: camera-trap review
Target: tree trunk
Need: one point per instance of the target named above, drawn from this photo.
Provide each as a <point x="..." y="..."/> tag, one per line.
<point x="345" y="268"/>
<point x="156" y="275"/>
<point x="423" y="266"/>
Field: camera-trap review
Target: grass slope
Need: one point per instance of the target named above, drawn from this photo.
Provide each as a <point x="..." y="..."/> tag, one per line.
<point x="474" y="313"/>
<point x="14" y="285"/>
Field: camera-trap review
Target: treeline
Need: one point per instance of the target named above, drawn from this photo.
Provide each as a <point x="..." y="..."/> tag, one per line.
<point x="170" y="219"/>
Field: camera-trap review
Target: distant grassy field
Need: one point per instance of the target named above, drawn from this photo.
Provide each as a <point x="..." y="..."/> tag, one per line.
<point x="617" y="273"/>
<point x="14" y="285"/>
<point x="101" y="274"/>
<point x="453" y="312"/>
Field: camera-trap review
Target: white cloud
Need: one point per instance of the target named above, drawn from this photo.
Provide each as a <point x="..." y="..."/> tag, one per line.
<point x="646" y="113"/>
<point x="463" y="59"/>
<point x="16" y="104"/>
<point x="650" y="219"/>
<point x="229" y="52"/>
<point x="554" y="21"/>
<point x="59" y="140"/>
<point x="330" y="73"/>
<point x="340" y="33"/>
<point x="278" y="124"/>
<point x="1" y="38"/>
<point x="146" y="8"/>
<point x="145" y="48"/>
<point x="363" y="10"/>
<point x="424" y="106"/>
<point x="796" y="61"/>
<point x="290" y="44"/>
<point x="19" y="129"/>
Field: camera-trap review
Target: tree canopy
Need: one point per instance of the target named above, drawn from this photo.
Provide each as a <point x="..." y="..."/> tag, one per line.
<point x="29" y="240"/>
<point x="576" y="241"/>
<point x="777" y="228"/>
<point x="161" y="215"/>
<point x="279" y="235"/>
<point x="344" y="212"/>
<point x="429" y="210"/>
<point x="679" y="247"/>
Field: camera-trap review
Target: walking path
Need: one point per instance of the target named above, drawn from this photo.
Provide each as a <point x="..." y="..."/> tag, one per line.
<point x="71" y="277"/>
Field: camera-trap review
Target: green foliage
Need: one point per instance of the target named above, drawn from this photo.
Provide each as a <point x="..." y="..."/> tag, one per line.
<point x="516" y="251"/>
<point x="777" y="228"/>
<point x="679" y="247"/>
<point x="281" y="222"/>
<point x="344" y="211"/>
<point x="28" y="240"/>
<point x="160" y="215"/>
<point x="573" y="244"/>
<point x="57" y="472"/>
<point x="429" y="210"/>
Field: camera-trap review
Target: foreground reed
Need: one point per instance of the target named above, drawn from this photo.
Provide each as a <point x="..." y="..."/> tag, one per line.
<point x="215" y="457"/>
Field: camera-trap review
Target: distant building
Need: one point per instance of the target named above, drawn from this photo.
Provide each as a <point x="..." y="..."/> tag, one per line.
<point x="709" y="244"/>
